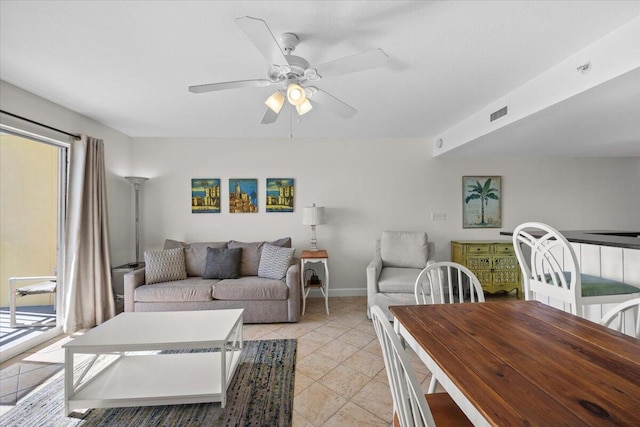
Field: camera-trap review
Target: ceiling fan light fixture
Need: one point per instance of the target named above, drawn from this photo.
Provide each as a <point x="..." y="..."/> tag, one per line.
<point x="304" y="108"/>
<point x="295" y="94"/>
<point x="275" y="102"/>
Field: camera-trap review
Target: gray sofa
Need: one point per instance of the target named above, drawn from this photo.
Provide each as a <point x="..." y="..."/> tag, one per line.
<point x="265" y="300"/>
<point x="392" y="273"/>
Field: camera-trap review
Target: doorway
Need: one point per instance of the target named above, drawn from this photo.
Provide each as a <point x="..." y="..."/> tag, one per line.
<point x="33" y="176"/>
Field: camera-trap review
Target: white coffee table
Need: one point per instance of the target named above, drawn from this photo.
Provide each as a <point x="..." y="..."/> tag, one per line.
<point x="149" y="378"/>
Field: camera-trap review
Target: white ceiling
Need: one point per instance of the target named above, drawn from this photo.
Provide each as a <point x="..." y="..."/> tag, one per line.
<point x="127" y="64"/>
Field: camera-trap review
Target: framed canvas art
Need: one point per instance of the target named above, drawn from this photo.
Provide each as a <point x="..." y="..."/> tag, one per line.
<point x="205" y="195"/>
<point x="280" y="192"/>
<point x="243" y="195"/>
<point x="481" y="202"/>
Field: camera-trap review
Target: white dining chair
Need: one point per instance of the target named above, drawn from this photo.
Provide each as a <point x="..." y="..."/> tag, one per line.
<point x="550" y="271"/>
<point x="617" y="317"/>
<point x="411" y="406"/>
<point x="441" y="282"/>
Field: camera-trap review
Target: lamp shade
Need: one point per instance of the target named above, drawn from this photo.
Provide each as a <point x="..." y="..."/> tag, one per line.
<point x="304" y="108"/>
<point x="275" y="102"/>
<point x="313" y="215"/>
<point x="295" y="94"/>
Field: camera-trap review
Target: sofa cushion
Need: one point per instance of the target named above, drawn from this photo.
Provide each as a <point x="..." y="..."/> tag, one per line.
<point x="190" y="289"/>
<point x="404" y="249"/>
<point x="274" y="261"/>
<point x="222" y="263"/>
<point x="251" y="253"/>
<point x="195" y="254"/>
<point x="164" y="266"/>
<point x="398" y="280"/>
<point x="250" y="288"/>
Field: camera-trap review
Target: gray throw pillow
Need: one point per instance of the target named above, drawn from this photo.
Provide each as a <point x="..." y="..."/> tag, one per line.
<point x="164" y="266"/>
<point x="275" y="261"/>
<point x="222" y="263"/>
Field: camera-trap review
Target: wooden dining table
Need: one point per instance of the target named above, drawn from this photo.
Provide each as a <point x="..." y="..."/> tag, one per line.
<point x="523" y="363"/>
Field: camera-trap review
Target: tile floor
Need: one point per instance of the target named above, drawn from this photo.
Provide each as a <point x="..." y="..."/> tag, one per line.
<point x="340" y="378"/>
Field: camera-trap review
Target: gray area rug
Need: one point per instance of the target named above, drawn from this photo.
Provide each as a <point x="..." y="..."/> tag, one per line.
<point x="260" y="394"/>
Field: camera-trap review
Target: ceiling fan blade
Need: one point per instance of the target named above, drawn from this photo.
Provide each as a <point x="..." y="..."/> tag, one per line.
<point x="349" y="64"/>
<point x="334" y="104"/>
<point x="270" y="116"/>
<point x="259" y="33"/>
<point x="211" y="87"/>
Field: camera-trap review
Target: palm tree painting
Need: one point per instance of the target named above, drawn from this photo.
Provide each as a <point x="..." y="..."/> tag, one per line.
<point x="482" y="196"/>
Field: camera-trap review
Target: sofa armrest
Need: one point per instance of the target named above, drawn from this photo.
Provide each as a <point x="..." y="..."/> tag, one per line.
<point x="373" y="272"/>
<point x="431" y="251"/>
<point x="132" y="280"/>
<point x="292" y="280"/>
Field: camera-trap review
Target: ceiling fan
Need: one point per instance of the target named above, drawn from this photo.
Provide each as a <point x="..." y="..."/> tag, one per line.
<point x="292" y="75"/>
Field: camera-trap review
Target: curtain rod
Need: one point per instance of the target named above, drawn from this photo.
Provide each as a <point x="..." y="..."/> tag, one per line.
<point x="40" y="124"/>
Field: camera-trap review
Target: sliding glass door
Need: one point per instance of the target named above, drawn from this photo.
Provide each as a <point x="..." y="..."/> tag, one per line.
<point x="33" y="186"/>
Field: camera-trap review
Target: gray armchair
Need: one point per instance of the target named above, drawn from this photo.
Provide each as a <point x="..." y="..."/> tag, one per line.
<point x="391" y="275"/>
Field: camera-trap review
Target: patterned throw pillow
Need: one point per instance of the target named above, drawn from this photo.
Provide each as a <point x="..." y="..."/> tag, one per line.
<point x="164" y="266"/>
<point x="222" y="263"/>
<point x="275" y="261"/>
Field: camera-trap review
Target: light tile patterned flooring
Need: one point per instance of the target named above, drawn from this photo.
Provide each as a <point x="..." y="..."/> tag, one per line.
<point x="340" y="377"/>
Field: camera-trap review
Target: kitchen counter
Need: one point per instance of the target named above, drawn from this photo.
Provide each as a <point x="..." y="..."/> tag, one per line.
<point x="618" y="239"/>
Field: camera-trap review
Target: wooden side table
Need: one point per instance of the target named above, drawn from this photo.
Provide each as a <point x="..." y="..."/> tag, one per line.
<point x="319" y="256"/>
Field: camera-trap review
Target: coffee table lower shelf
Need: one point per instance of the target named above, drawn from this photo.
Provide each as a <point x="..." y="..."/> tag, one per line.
<point x="159" y="379"/>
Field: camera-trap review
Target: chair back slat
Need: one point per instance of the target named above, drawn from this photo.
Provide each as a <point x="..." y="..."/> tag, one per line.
<point x="455" y="278"/>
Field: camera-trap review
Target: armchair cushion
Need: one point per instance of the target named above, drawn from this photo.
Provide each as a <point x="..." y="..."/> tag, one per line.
<point x="406" y="249"/>
<point x="398" y="280"/>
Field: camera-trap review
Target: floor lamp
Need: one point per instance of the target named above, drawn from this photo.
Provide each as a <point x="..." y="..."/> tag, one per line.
<point x="137" y="182"/>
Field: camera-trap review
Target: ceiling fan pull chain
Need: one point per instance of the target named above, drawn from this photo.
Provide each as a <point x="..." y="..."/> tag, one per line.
<point x="290" y="121"/>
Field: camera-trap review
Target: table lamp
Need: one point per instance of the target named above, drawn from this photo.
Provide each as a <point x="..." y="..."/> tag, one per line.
<point x="313" y="215"/>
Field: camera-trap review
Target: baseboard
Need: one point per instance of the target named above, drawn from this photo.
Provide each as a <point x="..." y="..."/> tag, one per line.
<point x="336" y="293"/>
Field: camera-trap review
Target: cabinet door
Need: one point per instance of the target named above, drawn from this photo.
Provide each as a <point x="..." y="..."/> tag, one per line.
<point x="506" y="272"/>
<point x="480" y="265"/>
<point x="505" y="269"/>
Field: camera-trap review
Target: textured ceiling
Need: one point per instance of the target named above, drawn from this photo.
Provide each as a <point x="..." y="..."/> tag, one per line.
<point x="127" y="64"/>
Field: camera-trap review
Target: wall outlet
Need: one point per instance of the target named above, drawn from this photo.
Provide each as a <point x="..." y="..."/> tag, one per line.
<point x="438" y="216"/>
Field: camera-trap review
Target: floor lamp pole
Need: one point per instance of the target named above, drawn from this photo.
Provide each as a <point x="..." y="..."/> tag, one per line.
<point x="137" y="182"/>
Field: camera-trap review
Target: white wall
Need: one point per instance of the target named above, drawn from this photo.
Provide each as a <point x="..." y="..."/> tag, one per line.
<point x="368" y="186"/>
<point x="117" y="157"/>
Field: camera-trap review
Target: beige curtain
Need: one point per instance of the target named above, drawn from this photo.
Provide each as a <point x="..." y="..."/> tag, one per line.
<point x="88" y="296"/>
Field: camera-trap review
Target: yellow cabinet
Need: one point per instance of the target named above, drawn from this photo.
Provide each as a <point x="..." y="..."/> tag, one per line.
<point x="493" y="262"/>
